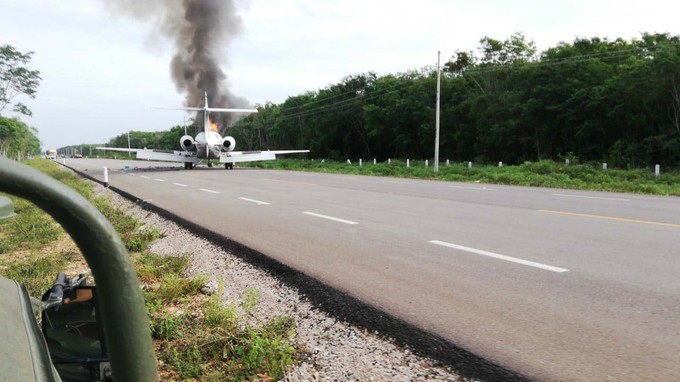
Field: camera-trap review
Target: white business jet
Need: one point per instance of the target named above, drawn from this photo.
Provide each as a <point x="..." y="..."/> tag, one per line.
<point x="207" y="145"/>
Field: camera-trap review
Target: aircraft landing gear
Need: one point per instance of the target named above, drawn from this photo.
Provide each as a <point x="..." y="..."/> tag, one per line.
<point x="210" y="164"/>
<point x="188" y="165"/>
<point x="228" y="166"/>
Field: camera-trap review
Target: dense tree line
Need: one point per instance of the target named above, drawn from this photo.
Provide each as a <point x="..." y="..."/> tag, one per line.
<point x="163" y="140"/>
<point x="592" y="99"/>
<point x="17" y="140"/>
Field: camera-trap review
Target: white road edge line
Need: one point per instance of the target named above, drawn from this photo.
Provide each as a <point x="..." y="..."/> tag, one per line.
<point x="210" y="191"/>
<point x="396" y="182"/>
<point x="144" y="176"/>
<point x="258" y="202"/>
<point x="474" y="188"/>
<point x="180" y="184"/>
<point x="500" y="257"/>
<point x="158" y="180"/>
<point x="131" y="173"/>
<point x="592" y="197"/>
<point x="330" y="218"/>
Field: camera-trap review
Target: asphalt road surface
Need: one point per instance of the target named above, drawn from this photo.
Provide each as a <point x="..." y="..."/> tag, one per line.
<point x="554" y="284"/>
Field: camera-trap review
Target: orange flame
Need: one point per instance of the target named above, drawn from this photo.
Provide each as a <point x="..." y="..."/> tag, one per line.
<point x="213" y="125"/>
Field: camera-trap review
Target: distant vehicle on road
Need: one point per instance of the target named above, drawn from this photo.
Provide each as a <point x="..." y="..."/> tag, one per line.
<point x="51" y="154"/>
<point x="78" y="156"/>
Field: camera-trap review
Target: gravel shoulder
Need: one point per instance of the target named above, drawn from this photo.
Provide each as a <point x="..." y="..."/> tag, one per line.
<point x="337" y="351"/>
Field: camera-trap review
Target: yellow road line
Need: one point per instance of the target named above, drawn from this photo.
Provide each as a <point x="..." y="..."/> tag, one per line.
<point x="612" y="218"/>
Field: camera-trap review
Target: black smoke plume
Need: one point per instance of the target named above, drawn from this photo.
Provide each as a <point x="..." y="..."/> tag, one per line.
<point x="200" y="30"/>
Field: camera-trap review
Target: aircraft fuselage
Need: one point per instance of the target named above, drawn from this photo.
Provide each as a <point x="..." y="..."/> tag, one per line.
<point x="208" y="145"/>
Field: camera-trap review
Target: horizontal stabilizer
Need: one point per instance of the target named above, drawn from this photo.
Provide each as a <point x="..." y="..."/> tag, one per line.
<point x="210" y="109"/>
<point x="217" y="110"/>
<point x="180" y="108"/>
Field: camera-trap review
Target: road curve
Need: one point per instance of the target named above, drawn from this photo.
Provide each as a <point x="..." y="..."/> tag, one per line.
<point x="553" y="284"/>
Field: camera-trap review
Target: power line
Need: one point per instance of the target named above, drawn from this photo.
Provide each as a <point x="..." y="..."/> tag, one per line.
<point x="340" y="104"/>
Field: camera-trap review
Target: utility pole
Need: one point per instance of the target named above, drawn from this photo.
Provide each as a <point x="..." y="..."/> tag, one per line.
<point x="436" y="135"/>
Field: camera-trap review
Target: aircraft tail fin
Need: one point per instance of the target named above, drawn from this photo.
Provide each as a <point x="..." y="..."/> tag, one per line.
<point x="206" y="117"/>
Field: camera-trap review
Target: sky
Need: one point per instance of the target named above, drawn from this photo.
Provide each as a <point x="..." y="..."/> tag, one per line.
<point x="102" y="73"/>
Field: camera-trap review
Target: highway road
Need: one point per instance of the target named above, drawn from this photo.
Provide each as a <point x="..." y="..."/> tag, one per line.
<point x="554" y="284"/>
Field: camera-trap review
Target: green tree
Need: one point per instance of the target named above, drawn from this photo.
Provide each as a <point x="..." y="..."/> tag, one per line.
<point x="17" y="139"/>
<point x="16" y="78"/>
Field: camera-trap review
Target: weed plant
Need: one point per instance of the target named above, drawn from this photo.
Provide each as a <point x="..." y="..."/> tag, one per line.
<point x="199" y="337"/>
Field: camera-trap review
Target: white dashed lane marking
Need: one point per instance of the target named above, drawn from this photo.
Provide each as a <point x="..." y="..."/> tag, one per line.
<point x="330" y="218"/>
<point x="500" y="257"/>
<point x="258" y="202"/>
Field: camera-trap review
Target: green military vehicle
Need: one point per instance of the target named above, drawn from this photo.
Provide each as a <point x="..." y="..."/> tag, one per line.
<point x="86" y="332"/>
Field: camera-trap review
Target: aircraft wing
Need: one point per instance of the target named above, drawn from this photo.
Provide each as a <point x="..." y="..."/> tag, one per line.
<point x="117" y="149"/>
<point x="253" y="156"/>
<point x="247" y="111"/>
<point x="160" y="155"/>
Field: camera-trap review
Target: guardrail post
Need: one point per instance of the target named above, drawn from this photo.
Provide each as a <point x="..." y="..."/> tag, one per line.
<point x="657" y="170"/>
<point x="106" y="177"/>
<point x="408" y="163"/>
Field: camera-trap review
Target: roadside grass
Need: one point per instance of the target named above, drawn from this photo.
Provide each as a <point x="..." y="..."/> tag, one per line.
<point x="38" y="271"/>
<point x="31" y="229"/>
<point x="545" y="173"/>
<point x="196" y="337"/>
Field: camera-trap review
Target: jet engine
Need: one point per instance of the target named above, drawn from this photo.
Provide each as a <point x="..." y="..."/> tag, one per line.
<point x="187" y="143"/>
<point x="228" y="143"/>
